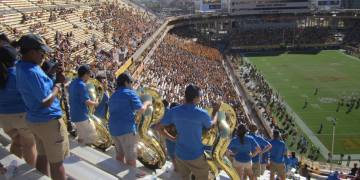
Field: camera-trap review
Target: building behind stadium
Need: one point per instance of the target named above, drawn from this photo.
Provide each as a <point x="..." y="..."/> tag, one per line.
<point x="272" y="6"/>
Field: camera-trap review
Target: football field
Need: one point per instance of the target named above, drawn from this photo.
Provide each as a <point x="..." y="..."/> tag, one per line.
<point x="335" y="75"/>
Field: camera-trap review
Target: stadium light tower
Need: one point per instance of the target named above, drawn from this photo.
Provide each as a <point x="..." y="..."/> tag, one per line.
<point x="332" y="143"/>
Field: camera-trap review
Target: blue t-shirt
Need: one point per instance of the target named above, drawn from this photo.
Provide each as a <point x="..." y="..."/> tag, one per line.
<point x="170" y="146"/>
<point x="10" y="98"/>
<point x="243" y="151"/>
<point x="292" y="162"/>
<point x="78" y="95"/>
<point x="262" y="143"/>
<point x="333" y="176"/>
<point x="123" y="105"/>
<point x="35" y="86"/>
<point x="277" y="152"/>
<point x="189" y="121"/>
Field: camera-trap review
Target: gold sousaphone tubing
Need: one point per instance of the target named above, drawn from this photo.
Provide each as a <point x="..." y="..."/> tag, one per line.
<point x="150" y="151"/>
<point x="219" y="138"/>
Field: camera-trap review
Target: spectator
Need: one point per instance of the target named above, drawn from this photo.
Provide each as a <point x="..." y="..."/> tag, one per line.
<point x="354" y="170"/>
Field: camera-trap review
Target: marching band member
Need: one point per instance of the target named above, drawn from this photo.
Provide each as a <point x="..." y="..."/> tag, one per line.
<point x="79" y="100"/>
<point x="190" y="121"/>
<point x="265" y="146"/>
<point x="123" y="105"/>
<point x="12" y="109"/>
<point x="44" y="114"/>
<point x="244" y="147"/>
<point x="278" y="154"/>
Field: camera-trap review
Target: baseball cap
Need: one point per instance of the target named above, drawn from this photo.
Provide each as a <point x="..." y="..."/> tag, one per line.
<point x="83" y="69"/>
<point x="33" y="41"/>
<point x="124" y="77"/>
<point x="191" y="92"/>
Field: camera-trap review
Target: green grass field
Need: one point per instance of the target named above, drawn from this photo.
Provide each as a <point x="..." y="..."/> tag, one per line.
<point x="295" y="77"/>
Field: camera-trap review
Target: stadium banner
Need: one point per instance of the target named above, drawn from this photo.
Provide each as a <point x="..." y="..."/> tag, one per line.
<point x="124" y="67"/>
<point x="210" y="5"/>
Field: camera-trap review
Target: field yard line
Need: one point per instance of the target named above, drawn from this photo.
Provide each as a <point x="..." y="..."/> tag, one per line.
<point x="315" y="140"/>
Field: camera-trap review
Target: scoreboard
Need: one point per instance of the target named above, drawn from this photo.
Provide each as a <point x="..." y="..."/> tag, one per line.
<point x="268" y="6"/>
<point x="211" y="5"/>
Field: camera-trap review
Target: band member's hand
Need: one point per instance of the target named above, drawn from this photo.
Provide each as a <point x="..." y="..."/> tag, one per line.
<point x="172" y="138"/>
<point x="60" y="78"/>
<point x="216" y="106"/>
<point x="60" y="67"/>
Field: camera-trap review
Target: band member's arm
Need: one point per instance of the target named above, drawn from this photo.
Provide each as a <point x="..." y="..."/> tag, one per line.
<point x="256" y="152"/>
<point x="216" y="107"/>
<point x="136" y="103"/>
<point x="166" y="121"/>
<point x="255" y="148"/>
<point x="47" y="101"/>
<point x="144" y="107"/>
<point x="267" y="147"/>
<point x="91" y="103"/>
<point x="232" y="147"/>
<point x="162" y="130"/>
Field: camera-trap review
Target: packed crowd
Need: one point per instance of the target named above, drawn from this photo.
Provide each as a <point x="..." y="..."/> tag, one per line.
<point x="129" y="28"/>
<point x="281" y="36"/>
<point x="178" y="62"/>
<point x="352" y="38"/>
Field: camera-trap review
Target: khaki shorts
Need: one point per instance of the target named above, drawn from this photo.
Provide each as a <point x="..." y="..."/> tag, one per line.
<point x="277" y="168"/>
<point x="241" y="166"/>
<point x="51" y="139"/>
<point x="126" y="145"/>
<point x="198" y="167"/>
<point x="256" y="169"/>
<point x="86" y="131"/>
<point x="15" y="125"/>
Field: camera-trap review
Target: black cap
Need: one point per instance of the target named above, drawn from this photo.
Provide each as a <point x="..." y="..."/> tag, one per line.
<point x="8" y="54"/>
<point x="276" y="133"/>
<point x="83" y="69"/>
<point x="191" y="92"/>
<point x="33" y="41"/>
<point x="124" y="77"/>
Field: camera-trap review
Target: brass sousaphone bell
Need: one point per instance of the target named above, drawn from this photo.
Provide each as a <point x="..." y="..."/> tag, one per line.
<point x="150" y="151"/>
<point x="219" y="137"/>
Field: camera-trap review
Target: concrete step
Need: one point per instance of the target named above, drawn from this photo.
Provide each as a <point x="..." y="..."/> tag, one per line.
<point x="75" y="167"/>
<point x="24" y="171"/>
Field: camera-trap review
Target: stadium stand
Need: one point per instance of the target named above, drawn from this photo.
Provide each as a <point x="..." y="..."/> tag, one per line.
<point x="81" y="33"/>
